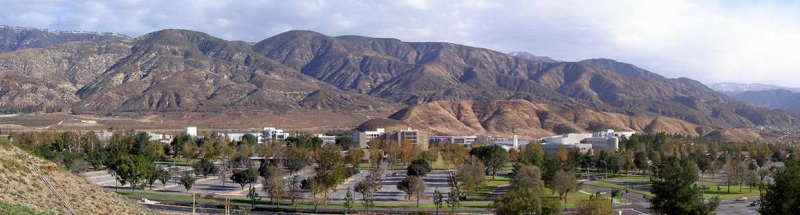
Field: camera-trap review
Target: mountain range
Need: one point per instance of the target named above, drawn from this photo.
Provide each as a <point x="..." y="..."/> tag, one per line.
<point x="771" y="96"/>
<point x="441" y="87"/>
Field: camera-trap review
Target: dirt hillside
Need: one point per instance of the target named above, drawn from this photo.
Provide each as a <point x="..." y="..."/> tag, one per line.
<point x="20" y="184"/>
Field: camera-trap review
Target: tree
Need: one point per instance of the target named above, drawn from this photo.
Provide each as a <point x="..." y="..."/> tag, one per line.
<point x="494" y="157"/>
<point x="132" y="169"/>
<point x="97" y="158"/>
<point x="528" y="177"/>
<point x="641" y="162"/>
<point x="437" y="200"/>
<point x="370" y="185"/>
<point x="354" y="156"/>
<point x="595" y="207"/>
<point x="204" y="167"/>
<point x="190" y="150"/>
<point x="453" y="154"/>
<point x="178" y="142"/>
<point x="430" y="155"/>
<point x="563" y="183"/>
<point x="525" y="195"/>
<point x="249" y="140"/>
<point x="263" y="169"/>
<point x="419" y="167"/>
<point x="407" y="151"/>
<point x="412" y="186"/>
<point x="704" y="163"/>
<point x="519" y="201"/>
<point x="471" y="173"/>
<point x="331" y="168"/>
<point x="244" y="177"/>
<point x="752" y="179"/>
<point x="675" y="191"/>
<point x="348" y="200"/>
<point x="345" y="142"/>
<point x="274" y="184"/>
<point x="781" y="196"/>
<point x="294" y="163"/>
<point x="453" y="198"/>
<point x="366" y="188"/>
<point x="253" y="196"/>
<point x="163" y="176"/>
<point x="152" y="175"/>
<point x="317" y="187"/>
<point x="187" y="180"/>
<point x="532" y="154"/>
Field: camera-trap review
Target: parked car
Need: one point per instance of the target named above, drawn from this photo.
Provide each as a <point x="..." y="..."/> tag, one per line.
<point x="741" y="199"/>
<point x="754" y="203"/>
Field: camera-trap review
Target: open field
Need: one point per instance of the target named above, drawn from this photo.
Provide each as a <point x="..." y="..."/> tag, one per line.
<point x="312" y="121"/>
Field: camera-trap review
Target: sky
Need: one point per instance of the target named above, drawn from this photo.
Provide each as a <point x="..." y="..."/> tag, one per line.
<point x="706" y="40"/>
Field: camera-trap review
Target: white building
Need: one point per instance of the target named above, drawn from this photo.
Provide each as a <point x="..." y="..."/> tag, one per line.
<point x="599" y="141"/>
<point x="514" y="143"/>
<point x="236" y="136"/>
<point x="326" y="139"/>
<point x="461" y="140"/>
<point x="191" y="131"/>
<point x="271" y="133"/>
<point x="160" y="137"/>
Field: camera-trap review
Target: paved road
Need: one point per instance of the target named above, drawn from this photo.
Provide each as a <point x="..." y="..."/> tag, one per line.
<point x="433" y="181"/>
<point x="638" y="204"/>
<point x="732" y="207"/>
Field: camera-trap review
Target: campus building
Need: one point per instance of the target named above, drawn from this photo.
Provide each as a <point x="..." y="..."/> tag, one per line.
<point x="599" y="141"/>
<point x="416" y="137"/>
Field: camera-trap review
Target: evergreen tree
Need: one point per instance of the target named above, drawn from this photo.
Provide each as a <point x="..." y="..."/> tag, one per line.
<point x="348" y="200"/>
<point x="675" y="191"/>
<point x="781" y="197"/>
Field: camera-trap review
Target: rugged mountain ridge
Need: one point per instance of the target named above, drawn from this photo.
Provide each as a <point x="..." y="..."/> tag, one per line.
<point x="770" y="96"/>
<point x="447" y="87"/>
<point x="16" y="38"/>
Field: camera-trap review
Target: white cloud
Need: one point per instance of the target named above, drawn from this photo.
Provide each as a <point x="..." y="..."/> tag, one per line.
<point x="706" y="40"/>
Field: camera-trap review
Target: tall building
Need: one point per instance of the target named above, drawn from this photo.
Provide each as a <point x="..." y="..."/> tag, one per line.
<point x="416" y="137"/>
<point x="362" y="138"/>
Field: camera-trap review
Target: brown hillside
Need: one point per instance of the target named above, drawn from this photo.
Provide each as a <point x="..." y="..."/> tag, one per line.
<point x="537" y="120"/>
<point x="21" y="185"/>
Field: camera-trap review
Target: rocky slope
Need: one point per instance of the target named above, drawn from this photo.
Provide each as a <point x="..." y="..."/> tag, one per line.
<point x="17" y="38"/>
<point x="21" y="185"/>
<point x="447" y="87"/>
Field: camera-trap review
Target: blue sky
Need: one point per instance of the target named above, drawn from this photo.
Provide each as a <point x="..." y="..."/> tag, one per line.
<point x="711" y="41"/>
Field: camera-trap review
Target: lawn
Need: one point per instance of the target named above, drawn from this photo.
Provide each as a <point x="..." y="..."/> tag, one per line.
<point x="19" y="209"/>
<point x="614" y="186"/>
<point x="735" y="191"/>
<point x="712" y="189"/>
<point x="489" y="185"/>
<point x="300" y="203"/>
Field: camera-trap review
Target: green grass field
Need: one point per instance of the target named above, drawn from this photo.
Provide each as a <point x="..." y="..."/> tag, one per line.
<point x="614" y="186"/>
<point x="300" y="203"/>
<point x="21" y="210"/>
<point x="489" y="185"/>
